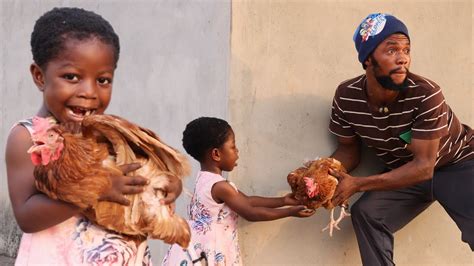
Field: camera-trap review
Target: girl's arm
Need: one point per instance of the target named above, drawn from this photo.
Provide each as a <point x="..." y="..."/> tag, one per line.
<point x="33" y="210"/>
<point x="242" y="205"/>
<point x="275" y="202"/>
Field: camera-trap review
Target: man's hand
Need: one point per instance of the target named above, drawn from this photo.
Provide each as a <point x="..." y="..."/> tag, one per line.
<point x="172" y="190"/>
<point x="124" y="185"/>
<point x="345" y="189"/>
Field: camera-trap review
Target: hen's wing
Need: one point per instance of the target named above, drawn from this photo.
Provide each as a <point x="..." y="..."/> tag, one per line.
<point x="160" y="163"/>
<point x="126" y="136"/>
<point x="294" y="177"/>
<point x="68" y="178"/>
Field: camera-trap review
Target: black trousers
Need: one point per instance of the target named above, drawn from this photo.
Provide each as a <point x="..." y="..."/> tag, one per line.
<point x="379" y="214"/>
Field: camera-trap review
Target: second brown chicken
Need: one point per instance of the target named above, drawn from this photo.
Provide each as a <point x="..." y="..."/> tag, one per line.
<point x="314" y="187"/>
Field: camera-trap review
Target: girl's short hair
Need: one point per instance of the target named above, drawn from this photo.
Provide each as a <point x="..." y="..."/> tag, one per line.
<point x="203" y="134"/>
<point x="54" y="27"/>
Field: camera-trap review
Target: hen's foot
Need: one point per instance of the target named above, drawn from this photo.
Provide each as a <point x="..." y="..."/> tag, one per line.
<point x="342" y="215"/>
<point x="334" y="223"/>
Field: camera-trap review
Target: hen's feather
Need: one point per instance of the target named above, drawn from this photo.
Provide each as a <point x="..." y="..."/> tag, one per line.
<point x="318" y="172"/>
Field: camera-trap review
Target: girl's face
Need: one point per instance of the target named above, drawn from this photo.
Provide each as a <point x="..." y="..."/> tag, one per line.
<point x="77" y="82"/>
<point x="229" y="153"/>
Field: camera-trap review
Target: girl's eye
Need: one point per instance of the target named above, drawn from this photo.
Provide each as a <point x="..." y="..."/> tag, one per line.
<point x="104" y="81"/>
<point x="71" y="77"/>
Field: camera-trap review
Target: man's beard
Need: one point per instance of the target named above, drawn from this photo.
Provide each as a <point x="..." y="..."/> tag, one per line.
<point x="387" y="81"/>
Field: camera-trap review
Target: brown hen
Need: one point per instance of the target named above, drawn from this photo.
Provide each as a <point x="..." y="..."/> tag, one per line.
<point x="314" y="187"/>
<point x="75" y="165"/>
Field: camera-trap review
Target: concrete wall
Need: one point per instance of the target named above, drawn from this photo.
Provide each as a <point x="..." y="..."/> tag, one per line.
<point x="173" y="67"/>
<point x="287" y="57"/>
<point x="274" y="83"/>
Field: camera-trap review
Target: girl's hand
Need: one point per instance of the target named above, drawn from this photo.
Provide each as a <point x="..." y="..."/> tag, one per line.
<point x="173" y="190"/>
<point x="124" y="185"/>
<point x="289" y="200"/>
<point x="301" y="211"/>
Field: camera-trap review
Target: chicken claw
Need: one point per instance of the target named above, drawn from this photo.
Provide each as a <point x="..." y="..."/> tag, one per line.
<point x="334" y="223"/>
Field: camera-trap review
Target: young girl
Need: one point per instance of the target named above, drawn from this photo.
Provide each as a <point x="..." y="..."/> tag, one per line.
<point x="216" y="203"/>
<point x="75" y="54"/>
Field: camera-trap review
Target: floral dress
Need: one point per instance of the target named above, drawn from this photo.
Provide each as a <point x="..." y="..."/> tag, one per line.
<point x="77" y="241"/>
<point x="213" y="228"/>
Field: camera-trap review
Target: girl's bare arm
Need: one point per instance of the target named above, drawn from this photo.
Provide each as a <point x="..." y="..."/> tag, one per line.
<point x="33" y="211"/>
<point x="242" y="205"/>
<point x="273" y="202"/>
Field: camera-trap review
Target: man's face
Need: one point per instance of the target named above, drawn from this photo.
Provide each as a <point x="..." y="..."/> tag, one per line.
<point x="390" y="62"/>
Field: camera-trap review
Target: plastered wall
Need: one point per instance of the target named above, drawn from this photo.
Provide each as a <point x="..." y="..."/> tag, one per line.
<point x="287" y="58"/>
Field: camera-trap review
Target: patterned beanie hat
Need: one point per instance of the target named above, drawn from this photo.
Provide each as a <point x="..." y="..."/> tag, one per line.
<point x="373" y="30"/>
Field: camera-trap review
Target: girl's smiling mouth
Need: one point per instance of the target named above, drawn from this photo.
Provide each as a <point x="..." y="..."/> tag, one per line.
<point x="78" y="113"/>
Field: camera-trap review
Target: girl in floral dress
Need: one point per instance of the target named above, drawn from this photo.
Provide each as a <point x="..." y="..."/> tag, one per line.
<point x="75" y="54"/>
<point x="217" y="203"/>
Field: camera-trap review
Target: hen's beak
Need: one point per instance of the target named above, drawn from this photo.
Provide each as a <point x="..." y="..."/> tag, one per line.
<point x="35" y="148"/>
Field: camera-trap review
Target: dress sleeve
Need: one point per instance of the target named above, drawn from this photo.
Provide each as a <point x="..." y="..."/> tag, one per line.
<point x="338" y="124"/>
<point x="431" y="119"/>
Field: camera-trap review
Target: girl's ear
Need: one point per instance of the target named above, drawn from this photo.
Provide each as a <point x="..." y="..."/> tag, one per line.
<point x="37" y="75"/>
<point x="216" y="154"/>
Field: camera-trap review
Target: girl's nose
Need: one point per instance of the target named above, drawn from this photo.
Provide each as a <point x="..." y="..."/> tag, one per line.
<point x="88" y="89"/>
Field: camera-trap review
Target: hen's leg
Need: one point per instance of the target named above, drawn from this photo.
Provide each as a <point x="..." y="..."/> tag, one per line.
<point x="331" y="224"/>
<point x="342" y="215"/>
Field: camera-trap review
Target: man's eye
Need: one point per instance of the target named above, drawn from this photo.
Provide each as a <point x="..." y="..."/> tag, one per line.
<point x="104" y="81"/>
<point x="71" y="77"/>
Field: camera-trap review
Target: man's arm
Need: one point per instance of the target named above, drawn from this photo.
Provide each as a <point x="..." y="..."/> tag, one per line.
<point x="416" y="171"/>
<point x="347" y="152"/>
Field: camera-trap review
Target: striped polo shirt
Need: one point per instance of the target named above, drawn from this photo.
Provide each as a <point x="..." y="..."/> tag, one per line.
<point x="419" y="112"/>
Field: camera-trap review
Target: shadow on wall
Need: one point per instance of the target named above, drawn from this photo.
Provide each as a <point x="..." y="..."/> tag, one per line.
<point x="277" y="135"/>
<point x="277" y="130"/>
<point x="10" y="233"/>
